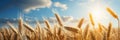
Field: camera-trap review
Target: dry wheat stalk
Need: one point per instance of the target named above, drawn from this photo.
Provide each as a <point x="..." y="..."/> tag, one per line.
<point x="115" y="16"/>
<point x="12" y="27"/>
<point x="47" y="24"/>
<point x="20" y="23"/>
<point x="12" y="37"/>
<point x="80" y="23"/>
<point x="86" y="31"/>
<point x="39" y="30"/>
<point x="92" y="35"/>
<point x="109" y="31"/>
<point x="1" y="36"/>
<point x="104" y="27"/>
<point x="112" y="12"/>
<point x="74" y="30"/>
<point x="28" y="27"/>
<point x="38" y="26"/>
<point x="100" y="27"/>
<point x="91" y="19"/>
<point x="59" y="31"/>
<point x="58" y="19"/>
<point x="55" y="30"/>
<point x="49" y="32"/>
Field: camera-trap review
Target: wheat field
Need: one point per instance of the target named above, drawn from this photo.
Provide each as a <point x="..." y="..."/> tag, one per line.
<point x="61" y="32"/>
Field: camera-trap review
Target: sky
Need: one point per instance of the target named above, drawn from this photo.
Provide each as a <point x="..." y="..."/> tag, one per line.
<point x="67" y="9"/>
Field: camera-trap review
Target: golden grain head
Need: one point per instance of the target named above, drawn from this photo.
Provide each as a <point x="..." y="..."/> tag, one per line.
<point x="74" y="30"/>
<point x="47" y="24"/>
<point x="12" y="27"/>
<point x="91" y="19"/>
<point x="112" y="12"/>
<point x="28" y="27"/>
<point x="20" y="23"/>
<point x="38" y="26"/>
<point x="59" y="19"/>
<point x="80" y="23"/>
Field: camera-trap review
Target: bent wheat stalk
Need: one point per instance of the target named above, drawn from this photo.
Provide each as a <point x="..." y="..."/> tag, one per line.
<point x="115" y="16"/>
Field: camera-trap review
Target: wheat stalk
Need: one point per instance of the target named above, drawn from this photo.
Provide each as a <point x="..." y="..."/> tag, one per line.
<point x="74" y="30"/>
<point x="38" y="26"/>
<point x="109" y="31"/>
<point x="115" y="16"/>
<point x="100" y="27"/>
<point x="104" y="27"/>
<point x="49" y="31"/>
<point x="58" y="19"/>
<point x="92" y="35"/>
<point x="1" y="36"/>
<point x="12" y="27"/>
<point x="86" y="31"/>
<point x="91" y="19"/>
<point x="47" y="24"/>
<point x="112" y="13"/>
<point x="28" y="27"/>
<point x="20" y="25"/>
<point x="80" y="23"/>
<point x="59" y="31"/>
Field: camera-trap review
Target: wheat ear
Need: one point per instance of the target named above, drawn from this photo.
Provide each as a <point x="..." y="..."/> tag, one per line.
<point x="80" y="23"/>
<point x="91" y="19"/>
<point x="12" y="27"/>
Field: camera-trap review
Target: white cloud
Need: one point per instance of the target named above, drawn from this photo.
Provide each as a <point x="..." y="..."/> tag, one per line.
<point x="67" y="18"/>
<point x="64" y="18"/>
<point x="34" y="4"/>
<point x="60" y="5"/>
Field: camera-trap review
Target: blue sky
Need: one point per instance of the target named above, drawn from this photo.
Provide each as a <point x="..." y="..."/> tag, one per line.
<point x="36" y="9"/>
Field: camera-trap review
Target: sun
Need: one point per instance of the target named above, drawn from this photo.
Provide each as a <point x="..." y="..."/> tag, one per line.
<point x="98" y="12"/>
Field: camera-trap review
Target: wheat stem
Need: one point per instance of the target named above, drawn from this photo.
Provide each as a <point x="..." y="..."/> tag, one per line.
<point x="118" y="29"/>
<point x="20" y="25"/>
<point x="109" y="31"/>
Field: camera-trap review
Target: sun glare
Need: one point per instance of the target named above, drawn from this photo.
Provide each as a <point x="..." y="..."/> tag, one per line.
<point x="98" y="12"/>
